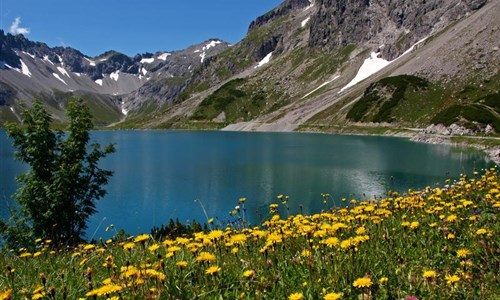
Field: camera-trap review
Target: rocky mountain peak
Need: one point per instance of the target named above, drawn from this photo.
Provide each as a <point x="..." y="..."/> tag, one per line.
<point x="396" y="24"/>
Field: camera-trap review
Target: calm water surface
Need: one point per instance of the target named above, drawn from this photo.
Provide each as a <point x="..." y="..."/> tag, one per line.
<point x="160" y="174"/>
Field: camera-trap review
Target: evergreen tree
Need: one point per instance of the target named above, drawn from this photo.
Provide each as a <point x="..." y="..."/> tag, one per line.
<point x="58" y="193"/>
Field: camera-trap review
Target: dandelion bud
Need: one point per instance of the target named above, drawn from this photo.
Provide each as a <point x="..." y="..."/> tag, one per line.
<point x="43" y="278"/>
<point x="52" y="292"/>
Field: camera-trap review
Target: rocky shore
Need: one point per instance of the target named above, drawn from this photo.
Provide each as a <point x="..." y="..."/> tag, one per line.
<point x="439" y="134"/>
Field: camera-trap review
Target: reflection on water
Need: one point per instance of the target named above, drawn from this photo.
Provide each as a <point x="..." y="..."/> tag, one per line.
<point x="159" y="174"/>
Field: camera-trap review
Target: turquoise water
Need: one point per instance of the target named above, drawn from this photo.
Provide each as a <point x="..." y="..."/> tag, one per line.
<point x="160" y="174"/>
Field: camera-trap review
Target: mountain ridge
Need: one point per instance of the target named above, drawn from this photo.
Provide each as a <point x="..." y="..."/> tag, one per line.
<point x="300" y="66"/>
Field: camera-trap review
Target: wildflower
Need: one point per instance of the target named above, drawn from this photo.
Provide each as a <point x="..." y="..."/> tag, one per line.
<point x="242" y="200"/>
<point x="248" y="273"/>
<point x="205" y="257"/>
<point x="429" y="274"/>
<point x="88" y="247"/>
<point x="451" y="218"/>
<point x="296" y="296"/>
<point x="212" y="270"/>
<point x="141" y="238"/>
<point x="104" y="290"/>
<point x="331" y="242"/>
<point x="181" y="264"/>
<point x="5" y="295"/>
<point x="332" y="296"/>
<point x="414" y="225"/>
<point x="383" y="280"/>
<point x="463" y="252"/>
<point x="153" y="247"/>
<point x="451" y="279"/>
<point x="481" y="231"/>
<point x="362" y="282"/>
<point x="210" y="221"/>
<point x="128" y="246"/>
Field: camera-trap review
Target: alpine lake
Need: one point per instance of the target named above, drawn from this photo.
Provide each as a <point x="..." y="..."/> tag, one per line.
<point x="199" y="175"/>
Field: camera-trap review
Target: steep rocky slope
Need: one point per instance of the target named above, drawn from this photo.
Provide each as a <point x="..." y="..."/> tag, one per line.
<point x="33" y="70"/>
<point x="308" y="62"/>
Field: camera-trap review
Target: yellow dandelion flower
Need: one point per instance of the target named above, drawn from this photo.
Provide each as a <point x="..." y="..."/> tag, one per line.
<point x="181" y="264"/>
<point x="248" y="273"/>
<point x="25" y="254"/>
<point x="429" y="274"/>
<point x="463" y="252"/>
<point x="36" y="254"/>
<point x="205" y="257"/>
<point x="296" y="296"/>
<point x="88" y="247"/>
<point x="362" y="282"/>
<point x="141" y="238"/>
<point x="481" y="231"/>
<point x="212" y="270"/>
<point x="414" y="225"/>
<point x="360" y="230"/>
<point x="153" y="247"/>
<point x="451" y="218"/>
<point x="5" y="295"/>
<point x="128" y="246"/>
<point x="333" y="296"/>
<point x="451" y="279"/>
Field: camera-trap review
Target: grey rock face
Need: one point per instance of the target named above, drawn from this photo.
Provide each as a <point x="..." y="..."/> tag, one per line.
<point x="282" y="10"/>
<point x="397" y="24"/>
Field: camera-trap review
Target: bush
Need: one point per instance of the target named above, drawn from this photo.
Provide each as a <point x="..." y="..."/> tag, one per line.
<point x="57" y="195"/>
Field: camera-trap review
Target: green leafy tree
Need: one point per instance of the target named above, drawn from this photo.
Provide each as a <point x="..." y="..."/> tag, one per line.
<point x="58" y="193"/>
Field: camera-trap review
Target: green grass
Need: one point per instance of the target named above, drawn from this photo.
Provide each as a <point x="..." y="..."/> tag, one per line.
<point x="435" y="243"/>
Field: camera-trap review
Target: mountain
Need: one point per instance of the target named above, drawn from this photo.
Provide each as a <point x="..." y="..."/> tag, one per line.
<point x="327" y="65"/>
<point x="31" y="70"/>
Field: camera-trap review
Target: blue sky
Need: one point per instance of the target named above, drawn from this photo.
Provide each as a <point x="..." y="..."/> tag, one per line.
<point x="131" y="27"/>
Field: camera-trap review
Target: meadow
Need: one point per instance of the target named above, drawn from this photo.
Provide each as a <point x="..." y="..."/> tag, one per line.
<point x="440" y="242"/>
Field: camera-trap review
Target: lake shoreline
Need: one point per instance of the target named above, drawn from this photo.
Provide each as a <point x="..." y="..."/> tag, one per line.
<point x="418" y="136"/>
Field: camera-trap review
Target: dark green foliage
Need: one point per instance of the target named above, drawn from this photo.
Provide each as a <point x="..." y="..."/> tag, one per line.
<point x="492" y="100"/>
<point x="467" y="115"/>
<point x="214" y="104"/>
<point x="382" y="97"/>
<point x="177" y="229"/>
<point x="57" y="195"/>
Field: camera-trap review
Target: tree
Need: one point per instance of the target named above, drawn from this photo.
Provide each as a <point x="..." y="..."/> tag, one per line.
<point x="58" y="193"/>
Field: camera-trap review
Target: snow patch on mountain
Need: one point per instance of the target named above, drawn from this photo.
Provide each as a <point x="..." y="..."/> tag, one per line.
<point x="370" y="66"/>
<point x="305" y="21"/>
<point x="115" y="75"/>
<point x="91" y="62"/>
<point x="63" y="71"/>
<point x="59" y="78"/>
<point x="164" y="56"/>
<point x="322" y="85"/>
<point x="373" y="64"/>
<point x="310" y="5"/>
<point x="265" y="60"/>
<point x="144" y="71"/>
<point x="46" y="58"/>
<point x="147" y="60"/>
<point x="29" y="54"/>
<point x="99" y="82"/>
<point x="206" y="48"/>
<point x="24" y="69"/>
